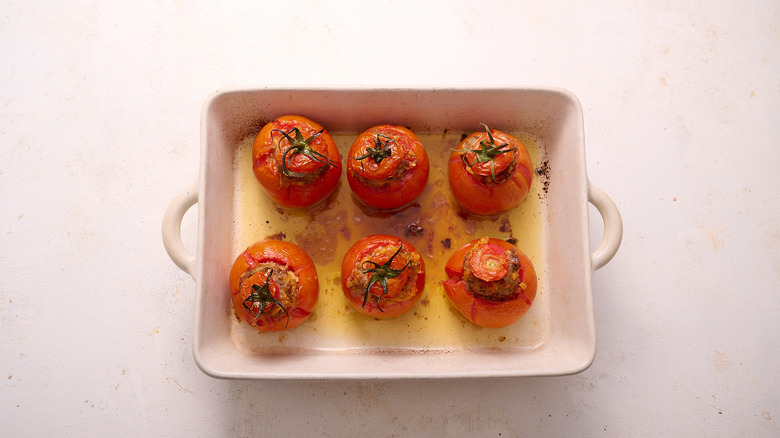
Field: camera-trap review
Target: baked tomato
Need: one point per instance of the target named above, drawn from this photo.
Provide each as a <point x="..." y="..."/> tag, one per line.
<point x="490" y="172"/>
<point x="491" y="283"/>
<point x="387" y="167"/>
<point x="382" y="276"/>
<point x="274" y="285"/>
<point x="296" y="161"/>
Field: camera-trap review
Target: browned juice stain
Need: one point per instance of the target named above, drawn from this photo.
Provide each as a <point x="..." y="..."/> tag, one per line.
<point x="434" y="224"/>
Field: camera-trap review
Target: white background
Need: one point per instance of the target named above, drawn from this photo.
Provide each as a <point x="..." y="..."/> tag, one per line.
<point x="99" y="129"/>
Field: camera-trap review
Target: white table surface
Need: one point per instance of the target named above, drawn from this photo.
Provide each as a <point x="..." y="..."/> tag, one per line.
<point x="99" y="129"/>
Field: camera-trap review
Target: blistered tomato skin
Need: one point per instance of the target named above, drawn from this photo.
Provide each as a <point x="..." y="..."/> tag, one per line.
<point x="382" y="276"/>
<point x="490" y="172"/>
<point x="387" y="167"/>
<point x="491" y="282"/>
<point x="296" y="161"/>
<point x="273" y="285"/>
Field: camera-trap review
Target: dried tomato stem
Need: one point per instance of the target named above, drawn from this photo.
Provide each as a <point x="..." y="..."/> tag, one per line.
<point x="262" y="296"/>
<point x="381" y="274"/>
<point x="300" y="145"/>
<point x="379" y="152"/>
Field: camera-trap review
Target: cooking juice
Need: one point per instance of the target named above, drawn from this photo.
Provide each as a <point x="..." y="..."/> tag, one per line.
<point x="434" y="224"/>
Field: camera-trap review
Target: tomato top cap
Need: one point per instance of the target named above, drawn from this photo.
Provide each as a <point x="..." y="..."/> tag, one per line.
<point x="379" y="159"/>
<point x="381" y="274"/>
<point x="300" y="146"/>
<point x="489" y="159"/>
<point x="488" y="262"/>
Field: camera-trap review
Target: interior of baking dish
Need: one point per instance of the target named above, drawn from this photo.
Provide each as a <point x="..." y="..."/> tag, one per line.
<point x="432" y="341"/>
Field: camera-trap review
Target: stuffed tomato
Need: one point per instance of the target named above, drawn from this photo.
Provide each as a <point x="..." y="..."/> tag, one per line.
<point x="296" y="161"/>
<point x="387" y="167"/>
<point x="382" y="276"/>
<point x="274" y="285"/>
<point x="491" y="282"/>
<point x="490" y="172"/>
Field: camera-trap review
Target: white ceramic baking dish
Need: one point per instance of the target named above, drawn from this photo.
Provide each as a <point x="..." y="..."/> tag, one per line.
<point x="556" y="337"/>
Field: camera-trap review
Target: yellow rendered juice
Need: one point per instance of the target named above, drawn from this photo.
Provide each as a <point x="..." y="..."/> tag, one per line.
<point x="434" y="224"/>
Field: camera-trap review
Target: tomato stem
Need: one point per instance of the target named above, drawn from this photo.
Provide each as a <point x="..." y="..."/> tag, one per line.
<point x="381" y="274"/>
<point x="300" y="145"/>
<point x="487" y="152"/>
<point x="262" y="296"/>
<point x="379" y="152"/>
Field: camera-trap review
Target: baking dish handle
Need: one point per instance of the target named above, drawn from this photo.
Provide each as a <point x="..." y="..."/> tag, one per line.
<point x="613" y="227"/>
<point x="171" y="229"/>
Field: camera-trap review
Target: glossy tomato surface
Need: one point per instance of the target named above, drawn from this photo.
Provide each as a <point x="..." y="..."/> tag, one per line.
<point x="491" y="282"/>
<point x="387" y="167"/>
<point x="296" y="161"/>
<point x="382" y="276"/>
<point x="490" y="172"/>
<point x="274" y="285"/>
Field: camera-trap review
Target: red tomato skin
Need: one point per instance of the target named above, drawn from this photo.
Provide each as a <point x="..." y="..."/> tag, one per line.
<point x="270" y="178"/>
<point x="283" y="253"/>
<point x="399" y="192"/>
<point x="357" y="252"/>
<point x="487" y="199"/>
<point x="483" y="312"/>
